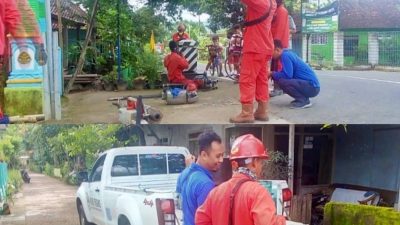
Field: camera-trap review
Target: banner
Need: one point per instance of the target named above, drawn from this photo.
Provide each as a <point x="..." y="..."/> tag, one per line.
<point x="320" y="16"/>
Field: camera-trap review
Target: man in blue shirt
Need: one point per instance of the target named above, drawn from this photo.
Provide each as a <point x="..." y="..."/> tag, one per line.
<point x="195" y="182"/>
<point x="296" y="78"/>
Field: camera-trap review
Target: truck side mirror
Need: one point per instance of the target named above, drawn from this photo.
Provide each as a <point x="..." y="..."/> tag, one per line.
<point x="82" y="176"/>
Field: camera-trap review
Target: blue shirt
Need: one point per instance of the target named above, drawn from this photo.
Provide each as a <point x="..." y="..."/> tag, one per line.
<point x="194" y="184"/>
<point x="294" y="68"/>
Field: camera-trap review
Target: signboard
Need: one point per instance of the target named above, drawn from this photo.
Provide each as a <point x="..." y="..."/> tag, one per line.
<point x="320" y="16"/>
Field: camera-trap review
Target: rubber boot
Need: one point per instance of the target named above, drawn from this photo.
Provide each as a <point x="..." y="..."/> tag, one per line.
<point x="261" y="113"/>
<point x="246" y="116"/>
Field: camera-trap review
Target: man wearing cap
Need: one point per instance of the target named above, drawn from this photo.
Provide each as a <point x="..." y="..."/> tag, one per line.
<point x="241" y="200"/>
<point x="195" y="182"/>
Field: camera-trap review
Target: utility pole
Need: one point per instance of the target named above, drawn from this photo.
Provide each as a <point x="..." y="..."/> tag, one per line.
<point x="119" y="39"/>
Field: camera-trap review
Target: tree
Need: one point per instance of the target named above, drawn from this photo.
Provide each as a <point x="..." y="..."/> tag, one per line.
<point x="223" y="13"/>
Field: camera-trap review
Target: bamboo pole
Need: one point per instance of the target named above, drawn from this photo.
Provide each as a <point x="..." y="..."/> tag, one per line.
<point x="83" y="53"/>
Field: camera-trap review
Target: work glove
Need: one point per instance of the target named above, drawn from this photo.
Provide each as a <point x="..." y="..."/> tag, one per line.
<point x="40" y="54"/>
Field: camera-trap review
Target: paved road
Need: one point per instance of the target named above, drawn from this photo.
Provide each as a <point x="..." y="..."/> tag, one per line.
<point x="45" y="201"/>
<point x="347" y="97"/>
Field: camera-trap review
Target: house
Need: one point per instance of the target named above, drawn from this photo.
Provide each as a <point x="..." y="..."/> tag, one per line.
<point x="368" y="34"/>
<point x="353" y="156"/>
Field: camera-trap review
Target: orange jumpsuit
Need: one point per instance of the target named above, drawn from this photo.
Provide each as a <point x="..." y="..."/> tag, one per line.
<point x="10" y="19"/>
<point x="176" y="37"/>
<point x="280" y="31"/>
<point x="258" y="47"/>
<point x="253" y="205"/>
<point x="175" y="65"/>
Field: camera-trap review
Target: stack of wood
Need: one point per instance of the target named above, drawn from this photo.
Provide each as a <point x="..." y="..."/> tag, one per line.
<point x="82" y="78"/>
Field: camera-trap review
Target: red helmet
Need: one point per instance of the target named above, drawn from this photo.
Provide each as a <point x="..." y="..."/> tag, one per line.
<point x="248" y="146"/>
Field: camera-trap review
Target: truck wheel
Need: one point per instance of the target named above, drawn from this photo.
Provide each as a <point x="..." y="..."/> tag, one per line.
<point x="82" y="216"/>
<point x="123" y="221"/>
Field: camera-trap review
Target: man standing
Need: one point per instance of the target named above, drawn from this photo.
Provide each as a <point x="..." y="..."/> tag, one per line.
<point x="195" y="182"/>
<point x="241" y="200"/>
<point x="257" y="51"/>
<point x="280" y="31"/>
<point x="10" y="20"/>
<point x="297" y="79"/>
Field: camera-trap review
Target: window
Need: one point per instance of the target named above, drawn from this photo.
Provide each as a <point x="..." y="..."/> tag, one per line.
<point x="97" y="169"/>
<point x="176" y="163"/>
<point x="152" y="164"/>
<point x="125" y="165"/>
<point x="319" y="39"/>
<point x="194" y="143"/>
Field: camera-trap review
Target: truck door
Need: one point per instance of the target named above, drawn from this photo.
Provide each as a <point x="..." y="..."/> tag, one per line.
<point x="94" y="198"/>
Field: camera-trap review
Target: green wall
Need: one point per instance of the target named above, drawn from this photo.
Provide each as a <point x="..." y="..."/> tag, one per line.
<point x="325" y="50"/>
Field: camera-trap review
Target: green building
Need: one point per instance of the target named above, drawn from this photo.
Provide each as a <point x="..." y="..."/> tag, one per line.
<point x="368" y="35"/>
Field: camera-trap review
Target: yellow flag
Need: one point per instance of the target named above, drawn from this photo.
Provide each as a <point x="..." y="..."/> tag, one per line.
<point x="152" y="43"/>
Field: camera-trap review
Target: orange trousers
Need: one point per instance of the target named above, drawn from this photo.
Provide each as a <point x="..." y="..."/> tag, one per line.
<point x="253" y="80"/>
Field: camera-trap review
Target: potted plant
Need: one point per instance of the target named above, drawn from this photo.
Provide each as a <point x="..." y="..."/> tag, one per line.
<point x="149" y="65"/>
<point x="109" y="80"/>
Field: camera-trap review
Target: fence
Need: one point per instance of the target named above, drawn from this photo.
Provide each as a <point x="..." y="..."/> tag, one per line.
<point x="355" y="48"/>
<point x="3" y="182"/>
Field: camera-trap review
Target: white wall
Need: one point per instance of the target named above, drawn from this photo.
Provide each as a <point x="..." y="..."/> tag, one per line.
<point x="373" y="48"/>
<point x="338" y="53"/>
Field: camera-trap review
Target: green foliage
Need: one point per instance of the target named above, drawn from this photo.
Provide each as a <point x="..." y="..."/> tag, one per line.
<point x="223" y="13"/>
<point x="68" y="147"/>
<point x="149" y="65"/>
<point x="351" y="214"/>
<point x="11" y="146"/>
<point x="49" y="170"/>
<point x="276" y="167"/>
<point x="14" y="182"/>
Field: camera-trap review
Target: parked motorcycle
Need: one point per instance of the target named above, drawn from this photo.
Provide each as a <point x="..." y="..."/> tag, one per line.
<point x="25" y="176"/>
<point x="317" y="212"/>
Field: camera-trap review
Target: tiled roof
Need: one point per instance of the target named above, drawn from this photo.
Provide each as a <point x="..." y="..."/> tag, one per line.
<point x="369" y="14"/>
<point x="70" y="11"/>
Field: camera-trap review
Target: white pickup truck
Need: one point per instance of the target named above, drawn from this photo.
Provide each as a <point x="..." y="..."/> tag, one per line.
<point x="133" y="185"/>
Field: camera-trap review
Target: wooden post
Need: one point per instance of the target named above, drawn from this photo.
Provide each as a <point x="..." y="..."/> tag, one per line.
<point x="291" y="155"/>
<point x="83" y="53"/>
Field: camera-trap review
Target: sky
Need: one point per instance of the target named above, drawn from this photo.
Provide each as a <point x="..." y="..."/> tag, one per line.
<point x="185" y="15"/>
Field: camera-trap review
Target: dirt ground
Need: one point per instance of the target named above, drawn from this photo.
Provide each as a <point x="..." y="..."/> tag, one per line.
<point x="213" y="107"/>
<point x="45" y="201"/>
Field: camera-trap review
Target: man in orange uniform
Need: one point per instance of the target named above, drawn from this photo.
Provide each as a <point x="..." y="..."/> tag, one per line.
<point x="258" y="46"/>
<point x="241" y="200"/>
<point x="181" y="34"/>
<point x="280" y="31"/>
<point x="175" y="64"/>
<point x="10" y="19"/>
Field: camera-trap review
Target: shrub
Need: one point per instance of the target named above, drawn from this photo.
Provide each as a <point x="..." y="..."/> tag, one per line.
<point x="149" y="65"/>
<point x="276" y="167"/>
<point x="14" y="182"/>
<point x="49" y="170"/>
